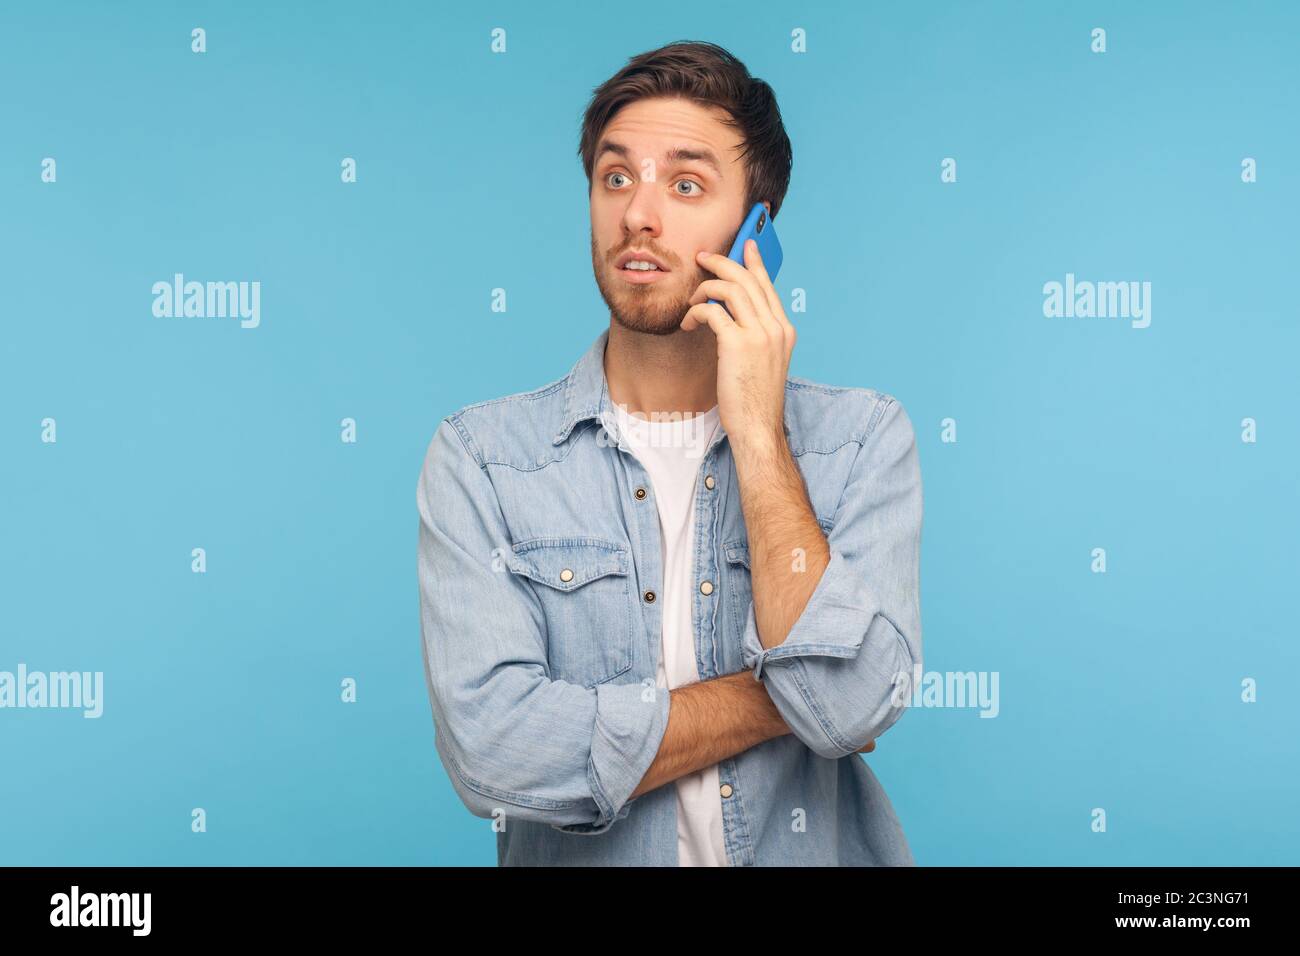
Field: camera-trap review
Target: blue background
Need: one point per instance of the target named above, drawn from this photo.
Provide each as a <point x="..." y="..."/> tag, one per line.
<point x="1118" y="690"/>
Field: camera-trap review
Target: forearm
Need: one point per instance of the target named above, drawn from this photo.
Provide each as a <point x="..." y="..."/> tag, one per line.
<point x="788" y="550"/>
<point x="709" y="721"/>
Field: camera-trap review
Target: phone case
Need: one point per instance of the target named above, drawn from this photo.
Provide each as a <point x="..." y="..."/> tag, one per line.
<point x="757" y="226"/>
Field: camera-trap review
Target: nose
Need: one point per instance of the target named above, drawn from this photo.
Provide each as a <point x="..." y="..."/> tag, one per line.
<point x="641" y="218"/>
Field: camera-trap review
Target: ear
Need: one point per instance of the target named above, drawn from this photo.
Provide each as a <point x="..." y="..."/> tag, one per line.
<point x="768" y="206"/>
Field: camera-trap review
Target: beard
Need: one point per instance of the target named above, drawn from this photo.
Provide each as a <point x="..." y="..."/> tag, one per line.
<point x="656" y="308"/>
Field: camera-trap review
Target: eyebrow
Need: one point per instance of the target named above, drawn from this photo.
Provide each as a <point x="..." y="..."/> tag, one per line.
<point x="678" y="154"/>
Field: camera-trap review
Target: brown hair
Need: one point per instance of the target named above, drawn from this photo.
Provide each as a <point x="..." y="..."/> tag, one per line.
<point x="707" y="74"/>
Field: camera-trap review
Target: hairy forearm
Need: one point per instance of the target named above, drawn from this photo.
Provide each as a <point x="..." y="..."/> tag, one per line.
<point x="788" y="551"/>
<point x="709" y="721"/>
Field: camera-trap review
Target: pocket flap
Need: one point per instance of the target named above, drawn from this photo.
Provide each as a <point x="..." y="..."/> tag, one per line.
<point x="567" y="563"/>
<point x="737" y="552"/>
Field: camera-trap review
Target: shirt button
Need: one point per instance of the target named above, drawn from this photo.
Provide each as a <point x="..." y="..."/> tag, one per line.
<point x="706" y="587"/>
<point x="566" y="575"/>
<point x="725" y="790"/>
<point x="649" y="597"/>
<point x="708" y="482"/>
<point x="640" y="494"/>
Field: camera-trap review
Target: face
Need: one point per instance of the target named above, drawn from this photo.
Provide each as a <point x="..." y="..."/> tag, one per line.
<point x="654" y="190"/>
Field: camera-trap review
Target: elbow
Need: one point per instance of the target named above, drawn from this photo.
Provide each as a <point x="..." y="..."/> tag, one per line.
<point x="491" y="793"/>
<point x="861" y="721"/>
<point x="886" y="691"/>
<point x="837" y="706"/>
<point x="879" y="712"/>
<point x="541" y="761"/>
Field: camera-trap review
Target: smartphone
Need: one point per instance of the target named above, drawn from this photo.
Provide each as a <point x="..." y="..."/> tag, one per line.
<point x="757" y="226"/>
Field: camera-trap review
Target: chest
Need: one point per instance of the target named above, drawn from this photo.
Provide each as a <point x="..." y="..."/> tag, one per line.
<point x="587" y="536"/>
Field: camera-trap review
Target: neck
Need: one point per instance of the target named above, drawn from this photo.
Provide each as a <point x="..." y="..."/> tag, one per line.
<point x="662" y="373"/>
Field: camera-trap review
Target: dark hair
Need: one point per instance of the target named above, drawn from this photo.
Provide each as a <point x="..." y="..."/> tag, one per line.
<point x="707" y="74"/>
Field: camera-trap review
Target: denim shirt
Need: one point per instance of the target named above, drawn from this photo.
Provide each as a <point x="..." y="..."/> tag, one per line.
<point x="539" y="572"/>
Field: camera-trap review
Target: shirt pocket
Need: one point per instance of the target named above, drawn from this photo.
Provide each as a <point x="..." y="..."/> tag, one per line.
<point x="585" y="589"/>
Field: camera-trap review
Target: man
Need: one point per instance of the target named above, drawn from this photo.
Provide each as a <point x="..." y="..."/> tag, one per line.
<point x="675" y="564"/>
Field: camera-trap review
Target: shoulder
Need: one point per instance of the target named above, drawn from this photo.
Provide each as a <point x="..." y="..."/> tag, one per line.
<point x="823" y="417"/>
<point x="515" y="429"/>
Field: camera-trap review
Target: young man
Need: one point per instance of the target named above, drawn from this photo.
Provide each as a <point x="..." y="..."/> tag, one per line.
<point x="676" y="564"/>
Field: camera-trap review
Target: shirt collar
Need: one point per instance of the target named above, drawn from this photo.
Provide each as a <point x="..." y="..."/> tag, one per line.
<point x="586" y="393"/>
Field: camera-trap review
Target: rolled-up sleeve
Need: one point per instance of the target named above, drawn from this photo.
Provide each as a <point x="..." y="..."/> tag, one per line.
<point x="834" y="678"/>
<point x="512" y="740"/>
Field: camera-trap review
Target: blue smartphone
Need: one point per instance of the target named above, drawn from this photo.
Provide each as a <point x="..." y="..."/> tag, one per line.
<point x="757" y="226"/>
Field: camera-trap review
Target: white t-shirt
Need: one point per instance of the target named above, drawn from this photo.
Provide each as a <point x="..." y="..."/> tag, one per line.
<point x="671" y="452"/>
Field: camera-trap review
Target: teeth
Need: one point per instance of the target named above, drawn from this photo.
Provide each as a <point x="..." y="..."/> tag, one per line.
<point x="639" y="266"/>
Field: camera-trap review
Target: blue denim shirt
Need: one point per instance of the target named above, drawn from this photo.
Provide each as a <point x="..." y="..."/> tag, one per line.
<point x="539" y="559"/>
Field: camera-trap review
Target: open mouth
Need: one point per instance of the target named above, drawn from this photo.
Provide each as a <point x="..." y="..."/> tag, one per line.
<point x="639" y="267"/>
<point x="639" y="261"/>
<point x="640" y="275"/>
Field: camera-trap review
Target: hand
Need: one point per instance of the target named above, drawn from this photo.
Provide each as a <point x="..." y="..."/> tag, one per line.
<point x="754" y="344"/>
<point x="871" y="745"/>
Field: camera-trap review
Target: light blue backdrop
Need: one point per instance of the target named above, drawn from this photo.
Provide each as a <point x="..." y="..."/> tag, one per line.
<point x="1119" y="691"/>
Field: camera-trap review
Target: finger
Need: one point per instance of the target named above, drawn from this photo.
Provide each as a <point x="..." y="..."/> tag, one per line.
<point x="732" y="271"/>
<point x="868" y="748"/>
<point x="746" y="278"/>
<point x="736" y="298"/>
<point x="759" y="270"/>
<point x="710" y="314"/>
